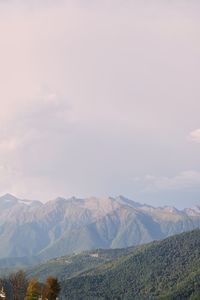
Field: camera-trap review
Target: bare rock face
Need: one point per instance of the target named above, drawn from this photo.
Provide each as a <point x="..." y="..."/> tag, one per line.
<point x="63" y="226"/>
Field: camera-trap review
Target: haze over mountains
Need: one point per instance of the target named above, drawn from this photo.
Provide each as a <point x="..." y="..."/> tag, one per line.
<point x="63" y="226"/>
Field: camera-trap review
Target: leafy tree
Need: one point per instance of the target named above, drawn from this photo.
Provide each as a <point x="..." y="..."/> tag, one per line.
<point x="33" y="290"/>
<point x="51" y="288"/>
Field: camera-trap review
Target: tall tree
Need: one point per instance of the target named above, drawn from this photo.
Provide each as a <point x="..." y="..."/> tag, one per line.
<point x="19" y="284"/>
<point x="51" y="288"/>
<point x="33" y="290"/>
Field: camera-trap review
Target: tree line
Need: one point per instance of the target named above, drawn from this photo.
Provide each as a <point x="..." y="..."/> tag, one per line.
<point x="17" y="287"/>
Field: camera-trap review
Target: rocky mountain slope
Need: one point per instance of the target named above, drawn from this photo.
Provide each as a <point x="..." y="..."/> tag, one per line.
<point x="63" y="226"/>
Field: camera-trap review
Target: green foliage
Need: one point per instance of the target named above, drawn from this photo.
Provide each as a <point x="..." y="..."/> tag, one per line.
<point x="164" y="270"/>
<point x="169" y="269"/>
<point x="195" y="295"/>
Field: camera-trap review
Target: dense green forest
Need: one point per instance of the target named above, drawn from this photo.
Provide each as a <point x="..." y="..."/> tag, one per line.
<point x="169" y="269"/>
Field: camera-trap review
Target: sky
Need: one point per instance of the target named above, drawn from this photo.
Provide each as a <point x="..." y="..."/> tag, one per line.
<point x="100" y="98"/>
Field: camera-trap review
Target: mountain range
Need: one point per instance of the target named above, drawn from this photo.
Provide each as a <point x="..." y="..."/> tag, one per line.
<point x="64" y="226"/>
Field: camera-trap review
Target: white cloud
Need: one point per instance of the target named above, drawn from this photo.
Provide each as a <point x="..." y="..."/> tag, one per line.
<point x="195" y="135"/>
<point x="184" y="180"/>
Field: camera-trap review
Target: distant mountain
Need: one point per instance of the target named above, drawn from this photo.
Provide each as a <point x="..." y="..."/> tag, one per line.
<point x="9" y="201"/>
<point x="168" y="270"/>
<point x="64" y="226"/>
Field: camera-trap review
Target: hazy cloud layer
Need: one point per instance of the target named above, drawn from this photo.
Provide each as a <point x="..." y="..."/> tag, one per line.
<point x="195" y="135"/>
<point x="182" y="181"/>
<point x="95" y="94"/>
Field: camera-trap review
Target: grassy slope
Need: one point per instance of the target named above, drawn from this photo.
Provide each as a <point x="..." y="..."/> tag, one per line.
<point x="169" y="269"/>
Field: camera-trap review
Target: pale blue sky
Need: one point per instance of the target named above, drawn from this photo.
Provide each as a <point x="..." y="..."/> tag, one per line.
<point x="100" y="98"/>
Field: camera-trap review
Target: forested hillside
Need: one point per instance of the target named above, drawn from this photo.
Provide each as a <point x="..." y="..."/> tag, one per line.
<point x="165" y="270"/>
<point x="169" y="269"/>
<point x="73" y="265"/>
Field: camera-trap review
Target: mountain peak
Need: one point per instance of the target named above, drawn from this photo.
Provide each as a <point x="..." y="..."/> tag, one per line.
<point x="8" y="201"/>
<point x="8" y="196"/>
<point x="126" y="201"/>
